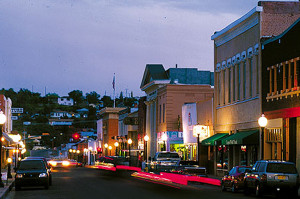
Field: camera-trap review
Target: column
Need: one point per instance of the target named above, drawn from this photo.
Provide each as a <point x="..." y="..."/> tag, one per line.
<point x="270" y="82"/>
<point x="275" y="80"/>
<point x="295" y="74"/>
<point x="284" y="78"/>
<point x="290" y="79"/>
<point x="148" y="126"/>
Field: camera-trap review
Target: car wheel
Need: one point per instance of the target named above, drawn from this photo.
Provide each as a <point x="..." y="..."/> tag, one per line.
<point x="50" y="181"/>
<point x="223" y="188"/>
<point x="257" y="190"/>
<point x="47" y="185"/>
<point x="233" y="188"/>
<point x="246" y="190"/>
<point x="17" y="187"/>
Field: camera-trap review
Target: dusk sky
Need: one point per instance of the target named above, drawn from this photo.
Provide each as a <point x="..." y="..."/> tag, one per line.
<point x="67" y="45"/>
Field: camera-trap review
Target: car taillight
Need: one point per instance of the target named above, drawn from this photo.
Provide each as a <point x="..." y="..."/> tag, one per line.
<point x="264" y="177"/>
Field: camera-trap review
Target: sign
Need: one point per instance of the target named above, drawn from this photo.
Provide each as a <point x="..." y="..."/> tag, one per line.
<point x="202" y="130"/>
<point x="14" y="117"/>
<point x="16" y="110"/>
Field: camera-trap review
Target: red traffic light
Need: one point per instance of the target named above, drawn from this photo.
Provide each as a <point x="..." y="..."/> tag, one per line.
<point x="76" y="136"/>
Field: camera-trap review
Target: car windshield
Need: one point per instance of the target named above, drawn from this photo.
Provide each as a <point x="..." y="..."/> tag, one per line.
<point x="31" y="165"/>
<point x="243" y="169"/>
<point x="168" y="155"/>
<point x="281" y="168"/>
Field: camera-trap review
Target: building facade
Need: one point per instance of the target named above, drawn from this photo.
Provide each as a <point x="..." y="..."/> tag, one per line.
<point x="167" y="91"/>
<point x="237" y="104"/>
<point x="280" y="95"/>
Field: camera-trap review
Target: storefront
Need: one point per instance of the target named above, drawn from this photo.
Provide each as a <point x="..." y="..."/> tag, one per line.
<point x="170" y="141"/>
<point x="241" y="148"/>
<point x="216" y="153"/>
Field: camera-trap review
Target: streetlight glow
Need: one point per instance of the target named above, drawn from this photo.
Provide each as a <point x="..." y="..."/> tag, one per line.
<point x="129" y="141"/>
<point x="2" y="118"/>
<point x="146" y="138"/>
<point x="262" y="121"/>
<point x="116" y="144"/>
<point x="105" y="145"/>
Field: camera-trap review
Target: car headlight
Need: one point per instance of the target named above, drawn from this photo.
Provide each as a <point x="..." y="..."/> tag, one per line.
<point x="43" y="175"/>
<point x="52" y="163"/>
<point x="65" y="163"/>
<point x="19" y="175"/>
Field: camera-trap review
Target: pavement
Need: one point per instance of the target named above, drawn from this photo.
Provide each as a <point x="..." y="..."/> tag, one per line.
<point x="8" y="184"/>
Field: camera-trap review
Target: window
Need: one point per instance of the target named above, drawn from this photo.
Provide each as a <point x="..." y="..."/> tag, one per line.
<point x="281" y="168"/>
<point x="159" y="113"/>
<point x="229" y="85"/>
<point x="219" y="88"/>
<point x="223" y="86"/>
<point x="233" y="83"/>
<point x="262" y="167"/>
<point x="257" y="76"/>
<point x="244" y="80"/>
<point x="164" y="112"/>
<point x="239" y="81"/>
<point x="250" y="73"/>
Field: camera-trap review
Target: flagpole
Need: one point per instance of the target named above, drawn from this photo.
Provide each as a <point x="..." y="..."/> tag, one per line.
<point x="114" y="87"/>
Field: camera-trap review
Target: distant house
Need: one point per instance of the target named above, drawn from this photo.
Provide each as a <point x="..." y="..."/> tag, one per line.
<point x="67" y="101"/>
<point x="60" y="122"/>
<point x="83" y="112"/>
<point x="60" y="114"/>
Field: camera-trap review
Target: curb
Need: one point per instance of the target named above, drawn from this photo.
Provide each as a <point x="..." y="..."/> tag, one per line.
<point x="6" y="190"/>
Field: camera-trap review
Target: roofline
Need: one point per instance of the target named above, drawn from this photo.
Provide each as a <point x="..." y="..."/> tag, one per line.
<point x="237" y="22"/>
<point x="282" y="34"/>
<point x="163" y="81"/>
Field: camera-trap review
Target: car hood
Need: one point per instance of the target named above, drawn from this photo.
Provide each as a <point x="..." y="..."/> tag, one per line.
<point x="32" y="171"/>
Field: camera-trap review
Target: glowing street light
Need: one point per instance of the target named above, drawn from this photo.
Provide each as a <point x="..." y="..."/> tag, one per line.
<point x="2" y="121"/>
<point x="110" y="148"/>
<point x="262" y="122"/>
<point x="129" y="143"/>
<point x="116" y="145"/>
<point x="164" y="138"/>
<point x="146" y="139"/>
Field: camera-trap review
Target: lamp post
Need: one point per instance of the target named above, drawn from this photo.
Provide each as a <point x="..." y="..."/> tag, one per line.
<point x="9" y="161"/>
<point x="116" y="145"/>
<point x="106" y="146"/>
<point x="2" y="121"/>
<point x="146" y="138"/>
<point x="262" y="121"/>
<point x="109" y="148"/>
<point x="164" y="138"/>
<point x="129" y="143"/>
<point x="197" y="130"/>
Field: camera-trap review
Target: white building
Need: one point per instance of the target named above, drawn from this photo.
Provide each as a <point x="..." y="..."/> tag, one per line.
<point x="67" y="101"/>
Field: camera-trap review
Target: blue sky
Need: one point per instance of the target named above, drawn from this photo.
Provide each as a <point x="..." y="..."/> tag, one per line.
<point x="65" y="45"/>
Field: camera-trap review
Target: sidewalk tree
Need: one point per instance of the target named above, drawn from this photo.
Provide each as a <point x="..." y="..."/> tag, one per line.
<point x="92" y="97"/>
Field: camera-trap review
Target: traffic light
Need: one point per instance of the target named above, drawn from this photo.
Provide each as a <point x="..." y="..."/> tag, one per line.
<point x="76" y="136"/>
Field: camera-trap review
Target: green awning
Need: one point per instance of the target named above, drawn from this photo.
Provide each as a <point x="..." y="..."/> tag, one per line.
<point x="242" y="138"/>
<point x="212" y="139"/>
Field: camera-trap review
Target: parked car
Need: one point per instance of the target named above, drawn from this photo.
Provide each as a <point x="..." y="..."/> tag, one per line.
<point x="234" y="179"/>
<point x="166" y="156"/>
<point x="187" y="167"/>
<point x="272" y="176"/>
<point x="32" y="172"/>
<point x="45" y="161"/>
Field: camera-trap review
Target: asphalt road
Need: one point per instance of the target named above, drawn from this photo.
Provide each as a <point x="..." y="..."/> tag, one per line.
<point x="91" y="183"/>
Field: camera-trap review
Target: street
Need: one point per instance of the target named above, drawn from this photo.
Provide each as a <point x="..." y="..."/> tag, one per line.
<point x="85" y="182"/>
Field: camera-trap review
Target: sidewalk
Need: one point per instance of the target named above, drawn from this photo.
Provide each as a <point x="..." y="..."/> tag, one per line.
<point x="8" y="184"/>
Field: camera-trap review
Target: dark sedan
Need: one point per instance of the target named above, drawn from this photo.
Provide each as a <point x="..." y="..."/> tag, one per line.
<point x="234" y="180"/>
<point x="32" y="172"/>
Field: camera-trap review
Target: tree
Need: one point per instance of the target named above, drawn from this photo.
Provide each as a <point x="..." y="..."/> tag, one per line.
<point x="107" y="101"/>
<point x="92" y="97"/>
<point x="77" y="96"/>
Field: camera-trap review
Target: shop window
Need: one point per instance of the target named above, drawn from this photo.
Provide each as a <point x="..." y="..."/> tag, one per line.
<point x="229" y="85"/>
<point x="244" y="157"/>
<point x="233" y="83"/>
<point x="239" y="81"/>
<point x="250" y="74"/>
<point x="244" y="79"/>
<point x="274" y="135"/>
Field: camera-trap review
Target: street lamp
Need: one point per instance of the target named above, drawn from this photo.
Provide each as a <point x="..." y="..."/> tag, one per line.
<point x="197" y="130"/>
<point x="146" y="138"/>
<point x="164" y="138"/>
<point x="116" y="145"/>
<point x="2" y="121"/>
<point x="9" y="161"/>
<point x="129" y="143"/>
<point x="106" y="146"/>
<point x="109" y="148"/>
<point x="262" y="121"/>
